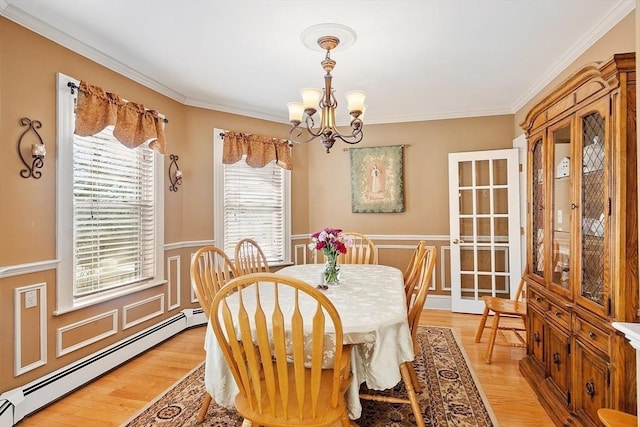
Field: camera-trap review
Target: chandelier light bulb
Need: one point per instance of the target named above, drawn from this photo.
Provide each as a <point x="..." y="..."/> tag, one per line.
<point x="296" y="110"/>
<point x="311" y="98"/>
<point x="355" y="100"/>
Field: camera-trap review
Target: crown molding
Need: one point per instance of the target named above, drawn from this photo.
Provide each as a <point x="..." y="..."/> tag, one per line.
<point x="622" y="9"/>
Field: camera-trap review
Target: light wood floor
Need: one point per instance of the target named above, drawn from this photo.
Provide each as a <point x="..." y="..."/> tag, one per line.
<point x="115" y="397"/>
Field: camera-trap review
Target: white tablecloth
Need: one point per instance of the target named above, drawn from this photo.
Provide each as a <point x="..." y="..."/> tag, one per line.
<point x="372" y="307"/>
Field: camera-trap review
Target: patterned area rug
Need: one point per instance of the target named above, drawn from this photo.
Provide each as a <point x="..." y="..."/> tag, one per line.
<point x="450" y="397"/>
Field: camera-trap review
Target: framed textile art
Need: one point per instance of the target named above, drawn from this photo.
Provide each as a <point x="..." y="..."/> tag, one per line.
<point x="377" y="179"/>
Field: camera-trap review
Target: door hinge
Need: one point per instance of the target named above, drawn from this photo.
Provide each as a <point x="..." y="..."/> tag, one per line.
<point x="522" y="231"/>
<point x="608" y="377"/>
<point x="520" y="167"/>
<point x="568" y="348"/>
<point x="609" y="206"/>
<point x="569" y="398"/>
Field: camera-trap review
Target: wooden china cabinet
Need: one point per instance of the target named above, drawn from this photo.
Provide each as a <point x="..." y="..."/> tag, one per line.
<point x="582" y="243"/>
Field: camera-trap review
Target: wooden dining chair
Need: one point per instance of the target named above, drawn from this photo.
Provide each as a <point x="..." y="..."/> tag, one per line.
<point x="283" y="342"/>
<point x="249" y="257"/>
<point x="504" y="307"/>
<point x="362" y="251"/>
<point x="425" y="265"/>
<point x="412" y="273"/>
<point x="211" y="269"/>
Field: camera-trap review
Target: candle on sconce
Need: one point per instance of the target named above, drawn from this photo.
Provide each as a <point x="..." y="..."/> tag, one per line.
<point x="38" y="150"/>
<point x="178" y="176"/>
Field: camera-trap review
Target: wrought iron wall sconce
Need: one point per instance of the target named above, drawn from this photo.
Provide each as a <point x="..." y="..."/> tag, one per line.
<point x="175" y="175"/>
<point x="38" y="150"/>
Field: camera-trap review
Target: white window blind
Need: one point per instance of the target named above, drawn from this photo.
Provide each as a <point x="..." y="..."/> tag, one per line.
<point x="255" y="207"/>
<point x="113" y="214"/>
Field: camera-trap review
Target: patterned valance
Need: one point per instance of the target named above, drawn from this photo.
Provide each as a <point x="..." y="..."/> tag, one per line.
<point x="133" y="124"/>
<point x="260" y="150"/>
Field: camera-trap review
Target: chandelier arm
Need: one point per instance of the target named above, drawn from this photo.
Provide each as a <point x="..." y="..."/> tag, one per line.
<point x="309" y="124"/>
<point x="358" y="135"/>
<point x="299" y="129"/>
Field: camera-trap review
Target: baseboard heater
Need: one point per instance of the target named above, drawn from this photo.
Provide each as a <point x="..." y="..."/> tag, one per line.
<point x="17" y="403"/>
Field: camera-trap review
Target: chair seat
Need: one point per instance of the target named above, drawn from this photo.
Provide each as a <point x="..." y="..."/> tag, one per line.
<point x="613" y="418"/>
<point x="502" y="306"/>
<point x="505" y="306"/>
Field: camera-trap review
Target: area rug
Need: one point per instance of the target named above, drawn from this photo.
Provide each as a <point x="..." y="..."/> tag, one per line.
<point x="451" y="395"/>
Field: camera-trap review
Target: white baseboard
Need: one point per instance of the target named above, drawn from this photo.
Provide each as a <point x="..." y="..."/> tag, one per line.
<point x="17" y="403"/>
<point x="438" y="302"/>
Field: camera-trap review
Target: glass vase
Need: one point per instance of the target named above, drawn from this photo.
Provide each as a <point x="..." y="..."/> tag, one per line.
<point x="331" y="275"/>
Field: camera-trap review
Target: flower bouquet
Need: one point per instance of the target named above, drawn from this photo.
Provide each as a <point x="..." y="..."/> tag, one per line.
<point x="332" y="243"/>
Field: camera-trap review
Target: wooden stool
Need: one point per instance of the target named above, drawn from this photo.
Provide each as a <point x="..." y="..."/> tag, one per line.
<point x="613" y="418"/>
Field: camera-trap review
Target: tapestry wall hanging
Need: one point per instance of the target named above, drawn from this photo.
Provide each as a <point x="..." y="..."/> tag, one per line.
<point x="377" y="179"/>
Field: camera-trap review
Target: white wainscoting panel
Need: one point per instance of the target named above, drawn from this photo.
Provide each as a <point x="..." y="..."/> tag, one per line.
<point x="445" y="286"/>
<point x="194" y="297"/>
<point x="41" y="303"/>
<point x="173" y="289"/>
<point x="61" y="351"/>
<point x="158" y="299"/>
<point x="300" y="254"/>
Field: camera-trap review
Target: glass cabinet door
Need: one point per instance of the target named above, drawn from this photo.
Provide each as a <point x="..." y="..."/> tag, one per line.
<point x="537" y="208"/>
<point x="562" y="209"/>
<point x="594" y="208"/>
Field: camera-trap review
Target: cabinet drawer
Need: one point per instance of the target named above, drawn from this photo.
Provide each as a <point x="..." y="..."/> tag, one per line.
<point x="559" y="315"/>
<point x="590" y="334"/>
<point x="538" y="300"/>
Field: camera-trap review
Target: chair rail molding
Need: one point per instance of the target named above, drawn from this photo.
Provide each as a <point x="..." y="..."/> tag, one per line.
<point x="32" y="267"/>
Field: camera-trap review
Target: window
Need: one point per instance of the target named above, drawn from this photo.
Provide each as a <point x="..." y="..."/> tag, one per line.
<point x="251" y="202"/>
<point x="109" y="204"/>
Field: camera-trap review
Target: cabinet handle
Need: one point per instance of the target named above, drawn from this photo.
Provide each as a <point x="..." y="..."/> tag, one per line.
<point x="536" y="337"/>
<point x="592" y="335"/>
<point x="556" y="359"/>
<point x="591" y="388"/>
<point x="558" y="313"/>
<point x="538" y="299"/>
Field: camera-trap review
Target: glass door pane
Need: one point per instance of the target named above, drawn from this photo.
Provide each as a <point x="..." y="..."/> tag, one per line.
<point x="562" y="208"/>
<point x="537" y="209"/>
<point x="593" y="207"/>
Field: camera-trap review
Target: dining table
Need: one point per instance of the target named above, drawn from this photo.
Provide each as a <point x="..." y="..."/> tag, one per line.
<point x="372" y="306"/>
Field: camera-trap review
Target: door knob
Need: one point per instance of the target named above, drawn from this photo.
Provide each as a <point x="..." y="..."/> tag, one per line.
<point x="456" y="241"/>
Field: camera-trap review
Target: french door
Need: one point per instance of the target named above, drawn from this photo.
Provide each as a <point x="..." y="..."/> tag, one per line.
<point x="484" y="227"/>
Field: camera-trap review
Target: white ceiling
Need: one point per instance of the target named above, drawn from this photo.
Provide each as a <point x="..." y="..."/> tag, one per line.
<point x="418" y="60"/>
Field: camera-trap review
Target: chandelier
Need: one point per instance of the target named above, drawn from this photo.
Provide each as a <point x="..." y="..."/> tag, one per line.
<point x="301" y="114"/>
